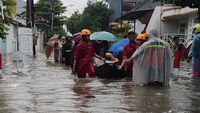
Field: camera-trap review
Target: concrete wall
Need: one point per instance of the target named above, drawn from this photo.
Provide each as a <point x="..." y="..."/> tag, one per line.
<point x="40" y="41"/>
<point x="2" y="46"/>
<point x="115" y="6"/>
<point x="10" y="44"/>
<point x="11" y="40"/>
<point x="191" y="23"/>
<point x="170" y="27"/>
<point x="165" y="26"/>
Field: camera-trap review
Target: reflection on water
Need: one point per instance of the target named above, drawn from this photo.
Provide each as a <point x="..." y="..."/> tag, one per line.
<point x="47" y="87"/>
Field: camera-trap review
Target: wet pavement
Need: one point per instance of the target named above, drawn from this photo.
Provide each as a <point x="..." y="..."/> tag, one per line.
<point x="47" y="87"/>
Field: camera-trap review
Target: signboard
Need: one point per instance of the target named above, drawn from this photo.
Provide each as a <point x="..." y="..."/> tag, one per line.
<point x="25" y="37"/>
<point x="17" y="59"/>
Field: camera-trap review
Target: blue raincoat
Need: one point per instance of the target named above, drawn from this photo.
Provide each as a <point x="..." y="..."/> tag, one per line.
<point x="194" y="53"/>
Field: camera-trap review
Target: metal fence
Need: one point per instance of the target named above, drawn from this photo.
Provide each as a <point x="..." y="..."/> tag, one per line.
<point x="185" y="39"/>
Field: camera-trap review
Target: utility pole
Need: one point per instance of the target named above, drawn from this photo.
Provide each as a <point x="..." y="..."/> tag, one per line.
<point x="52" y="13"/>
<point x="30" y="18"/>
<point x="28" y="12"/>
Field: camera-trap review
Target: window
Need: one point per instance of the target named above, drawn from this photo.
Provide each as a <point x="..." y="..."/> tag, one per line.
<point x="182" y="28"/>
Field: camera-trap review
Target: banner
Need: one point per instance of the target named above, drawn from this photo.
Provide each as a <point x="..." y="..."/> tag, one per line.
<point x="25" y="38"/>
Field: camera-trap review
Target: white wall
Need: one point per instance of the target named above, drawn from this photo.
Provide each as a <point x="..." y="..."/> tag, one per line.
<point x="1" y="45"/>
<point x="40" y="41"/>
<point x="139" y="27"/>
<point x="10" y="40"/>
<point x="170" y="27"/>
<point x="165" y="26"/>
<point x="191" y="23"/>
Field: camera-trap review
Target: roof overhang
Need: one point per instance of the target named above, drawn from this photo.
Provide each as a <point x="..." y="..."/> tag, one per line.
<point x="178" y="13"/>
<point x="137" y="14"/>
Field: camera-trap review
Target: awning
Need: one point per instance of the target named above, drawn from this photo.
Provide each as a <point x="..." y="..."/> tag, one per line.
<point x="137" y="14"/>
<point x="179" y="14"/>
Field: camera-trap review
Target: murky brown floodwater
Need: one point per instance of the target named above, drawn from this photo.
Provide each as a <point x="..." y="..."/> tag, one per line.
<point x="48" y="87"/>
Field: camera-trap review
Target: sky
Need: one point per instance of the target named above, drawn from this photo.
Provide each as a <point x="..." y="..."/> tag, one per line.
<point x="73" y="5"/>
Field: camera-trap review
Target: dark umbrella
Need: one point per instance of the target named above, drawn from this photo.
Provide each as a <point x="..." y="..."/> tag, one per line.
<point x="108" y="70"/>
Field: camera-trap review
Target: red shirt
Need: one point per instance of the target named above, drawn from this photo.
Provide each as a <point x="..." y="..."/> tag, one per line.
<point x="130" y="49"/>
<point x="177" y="59"/>
<point x="84" y="51"/>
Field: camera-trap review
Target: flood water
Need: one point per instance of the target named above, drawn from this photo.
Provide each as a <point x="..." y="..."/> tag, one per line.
<point x="47" y="87"/>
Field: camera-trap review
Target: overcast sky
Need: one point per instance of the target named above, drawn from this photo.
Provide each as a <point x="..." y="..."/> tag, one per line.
<point x="73" y="5"/>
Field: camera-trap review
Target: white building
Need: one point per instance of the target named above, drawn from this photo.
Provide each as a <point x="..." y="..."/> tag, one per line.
<point x="171" y="21"/>
<point x="9" y="45"/>
<point x="174" y="21"/>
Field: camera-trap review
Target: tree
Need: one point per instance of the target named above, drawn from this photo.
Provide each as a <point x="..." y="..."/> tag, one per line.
<point x="94" y="17"/>
<point x="73" y="23"/>
<point x="8" y="20"/>
<point x="190" y="3"/>
<point x="44" y="10"/>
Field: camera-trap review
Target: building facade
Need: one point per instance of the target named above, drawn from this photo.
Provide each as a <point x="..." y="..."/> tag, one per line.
<point x="121" y="7"/>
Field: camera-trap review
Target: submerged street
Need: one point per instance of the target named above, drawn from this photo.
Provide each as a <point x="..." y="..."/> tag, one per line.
<point x="47" y="87"/>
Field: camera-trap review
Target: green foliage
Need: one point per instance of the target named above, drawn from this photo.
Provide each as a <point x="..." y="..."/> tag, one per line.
<point x="44" y="10"/>
<point x="94" y="17"/>
<point x="74" y="23"/>
<point x="119" y="35"/>
<point x="8" y="20"/>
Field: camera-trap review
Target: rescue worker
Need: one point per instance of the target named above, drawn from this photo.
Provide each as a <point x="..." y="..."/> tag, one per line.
<point x="152" y="62"/>
<point x="66" y="49"/>
<point x="77" y="39"/>
<point x="83" y="56"/>
<point x="194" y="52"/>
<point x="127" y="53"/>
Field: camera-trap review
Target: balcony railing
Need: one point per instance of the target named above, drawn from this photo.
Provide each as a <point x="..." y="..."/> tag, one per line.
<point x="185" y="39"/>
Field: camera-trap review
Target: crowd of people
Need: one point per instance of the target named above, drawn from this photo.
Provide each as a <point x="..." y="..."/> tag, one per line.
<point x="147" y="59"/>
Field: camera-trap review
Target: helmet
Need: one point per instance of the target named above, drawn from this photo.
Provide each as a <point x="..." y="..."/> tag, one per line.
<point x="85" y="32"/>
<point x="68" y="34"/>
<point x="146" y="36"/>
<point x="141" y="37"/>
<point x="197" y="28"/>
